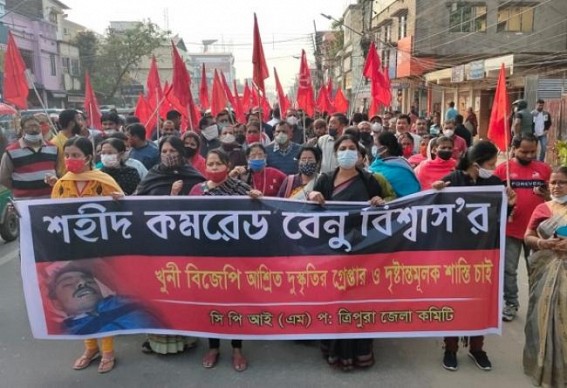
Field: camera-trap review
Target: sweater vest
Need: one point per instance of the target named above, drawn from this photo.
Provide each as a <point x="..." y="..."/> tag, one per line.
<point x="30" y="168"/>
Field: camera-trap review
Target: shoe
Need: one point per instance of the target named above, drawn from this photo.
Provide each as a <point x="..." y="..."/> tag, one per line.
<point x="481" y="360"/>
<point x="450" y="361"/>
<point x="509" y="313"/>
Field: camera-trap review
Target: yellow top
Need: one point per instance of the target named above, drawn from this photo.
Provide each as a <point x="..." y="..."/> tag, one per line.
<point x="59" y="141"/>
<point x="98" y="184"/>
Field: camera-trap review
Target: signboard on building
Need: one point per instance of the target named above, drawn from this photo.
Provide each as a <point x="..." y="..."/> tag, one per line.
<point x="458" y="73"/>
<point x="476" y="70"/>
<point x="131" y="90"/>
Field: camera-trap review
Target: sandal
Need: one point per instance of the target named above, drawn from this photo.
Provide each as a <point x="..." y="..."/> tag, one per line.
<point x="239" y="362"/>
<point x="346" y="364"/>
<point x="106" y="364"/>
<point x="147" y="348"/>
<point x="85" y="360"/>
<point x="211" y="358"/>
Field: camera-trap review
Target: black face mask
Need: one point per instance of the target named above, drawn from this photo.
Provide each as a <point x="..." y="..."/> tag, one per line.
<point x="366" y="137"/>
<point x="524" y="162"/>
<point x="240" y="138"/>
<point x="444" y="154"/>
<point x="190" y="152"/>
<point x="333" y="132"/>
<point x="76" y="129"/>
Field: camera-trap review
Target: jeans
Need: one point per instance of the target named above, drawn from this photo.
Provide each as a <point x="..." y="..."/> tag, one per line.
<point x="511" y="258"/>
<point x="543" y="146"/>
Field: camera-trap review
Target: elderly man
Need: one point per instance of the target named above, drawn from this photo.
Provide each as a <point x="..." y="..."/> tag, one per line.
<point x="282" y="153"/>
<point x="28" y="166"/>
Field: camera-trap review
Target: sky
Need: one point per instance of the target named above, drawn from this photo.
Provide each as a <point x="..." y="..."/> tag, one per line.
<point x="285" y="26"/>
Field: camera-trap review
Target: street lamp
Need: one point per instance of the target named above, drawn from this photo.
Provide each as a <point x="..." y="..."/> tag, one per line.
<point x="329" y="17"/>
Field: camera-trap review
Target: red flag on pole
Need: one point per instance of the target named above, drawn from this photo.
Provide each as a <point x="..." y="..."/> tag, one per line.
<point x="265" y="106"/>
<point x="498" y="131"/>
<point x="260" y="72"/>
<point x="387" y="91"/>
<point x="91" y="105"/>
<point x="142" y="110"/>
<point x="180" y="88"/>
<point x="239" y="111"/>
<point x="155" y="93"/>
<point x="228" y="92"/>
<point x="281" y="96"/>
<point x="305" y="98"/>
<point x="218" y="97"/>
<point x="246" y="97"/>
<point x="341" y="103"/>
<point x="204" y="90"/>
<point x="380" y="85"/>
<point x="16" y="88"/>
<point x="323" y="103"/>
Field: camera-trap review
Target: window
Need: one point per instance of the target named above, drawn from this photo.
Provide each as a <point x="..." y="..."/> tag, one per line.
<point x="53" y="64"/>
<point x="388" y="33"/>
<point x="75" y="67"/>
<point x="515" y="19"/>
<point x="402" y="26"/>
<point x="386" y="58"/>
<point x="65" y="64"/>
<point x="53" y="17"/>
<point x="467" y="18"/>
<point x="27" y="56"/>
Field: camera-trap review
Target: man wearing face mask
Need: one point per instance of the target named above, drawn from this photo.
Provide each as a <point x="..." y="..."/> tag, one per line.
<point x="528" y="179"/>
<point x="69" y="124"/>
<point x="29" y="165"/>
<point x="209" y="135"/>
<point x="326" y="143"/>
<point x="459" y="144"/>
<point x="297" y="131"/>
<point x="110" y="123"/>
<point x="229" y="147"/>
<point x="282" y="152"/>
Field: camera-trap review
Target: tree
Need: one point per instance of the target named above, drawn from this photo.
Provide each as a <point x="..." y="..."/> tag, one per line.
<point x="120" y="52"/>
<point x="87" y="43"/>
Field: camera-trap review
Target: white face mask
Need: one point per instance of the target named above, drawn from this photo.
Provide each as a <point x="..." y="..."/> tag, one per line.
<point x="228" y="138"/>
<point x="291" y="120"/>
<point x="109" y="160"/>
<point x="211" y="132"/>
<point x="448" y="132"/>
<point x="35" y="138"/>
<point x="484" y="173"/>
<point x="561" y="200"/>
<point x="347" y="158"/>
<point x="281" y="138"/>
<point x="376" y="127"/>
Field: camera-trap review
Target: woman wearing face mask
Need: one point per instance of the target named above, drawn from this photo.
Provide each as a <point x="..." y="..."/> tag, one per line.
<point x="299" y="186"/>
<point x="407" y="144"/>
<point x="159" y="181"/>
<point x="82" y="181"/>
<point x="219" y="183"/>
<point x="416" y="159"/>
<point x="112" y="159"/>
<point x="475" y="168"/>
<point x="347" y="183"/>
<point x="231" y="148"/>
<point x="389" y="162"/>
<point x="266" y="179"/>
<point x="172" y="167"/>
<point x="546" y="234"/>
<point x="192" y="144"/>
<point x="432" y="170"/>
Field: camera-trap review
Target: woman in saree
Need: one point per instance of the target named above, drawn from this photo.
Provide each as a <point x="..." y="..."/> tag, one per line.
<point x="546" y="321"/>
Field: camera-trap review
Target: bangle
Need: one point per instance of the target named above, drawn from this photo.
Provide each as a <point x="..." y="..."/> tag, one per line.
<point x="538" y="245"/>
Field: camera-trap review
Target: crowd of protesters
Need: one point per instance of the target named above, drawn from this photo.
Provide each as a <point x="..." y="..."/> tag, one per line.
<point x="323" y="158"/>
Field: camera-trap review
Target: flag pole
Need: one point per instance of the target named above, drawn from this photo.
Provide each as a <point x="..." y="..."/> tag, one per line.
<point x="51" y="125"/>
<point x="351" y="108"/>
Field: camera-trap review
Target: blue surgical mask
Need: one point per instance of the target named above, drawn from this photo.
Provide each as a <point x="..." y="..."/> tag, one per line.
<point x="256" y="164"/>
<point x="347" y="158"/>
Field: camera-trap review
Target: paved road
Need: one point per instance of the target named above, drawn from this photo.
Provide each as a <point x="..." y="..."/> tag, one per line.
<point x="25" y="362"/>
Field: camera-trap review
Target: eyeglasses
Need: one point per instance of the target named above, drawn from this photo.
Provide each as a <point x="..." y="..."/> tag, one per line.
<point x="558" y="183"/>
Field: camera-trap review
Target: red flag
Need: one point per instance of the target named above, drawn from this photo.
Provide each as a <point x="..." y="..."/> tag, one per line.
<point x="154" y="94"/>
<point x="387" y="91"/>
<point x="254" y="98"/>
<point x="380" y="84"/>
<point x="265" y="106"/>
<point x="142" y="110"/>
<point x="218" y="97"/>
<point x="305" y="98"/>
<point x="260" y="72"/>
<point x="281" y="96"/>
<point x="15" y="84"/>
<point x="323" y="103"/>
<point x="91" y="105"/>
<point x="181" y="81"/>
<point x="204" y="90"/>
<point x="239" y="111"/>
<point x="498" y="130"/>
<point x="246" y="97"/>
<point x="341" y="103"/>
<point x="227" y="91"/>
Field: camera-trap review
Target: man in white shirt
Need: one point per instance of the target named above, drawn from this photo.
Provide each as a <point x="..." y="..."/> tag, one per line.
<point x="542" y="123"/>
<point x="337" y="123"/>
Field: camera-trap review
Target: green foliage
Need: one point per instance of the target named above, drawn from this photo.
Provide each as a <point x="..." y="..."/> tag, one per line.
<point x="561" y="149"/>
<point x="112" y="58"/>
<point x="87" y="43"/>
